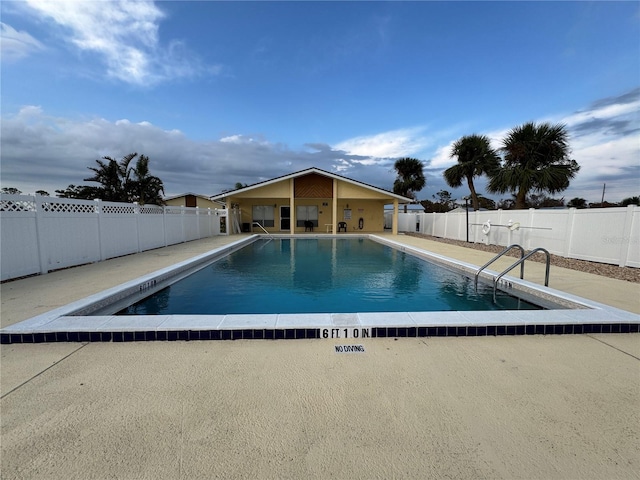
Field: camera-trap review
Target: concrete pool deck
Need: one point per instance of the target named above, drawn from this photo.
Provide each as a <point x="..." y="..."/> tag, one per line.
<point x="485" y="407"/>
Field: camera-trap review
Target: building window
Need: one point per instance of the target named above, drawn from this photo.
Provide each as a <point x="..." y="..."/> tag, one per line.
<point x="306" y="213"/>
<point x="264" y="215"/>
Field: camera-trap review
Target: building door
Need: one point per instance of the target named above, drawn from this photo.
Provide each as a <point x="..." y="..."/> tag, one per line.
<point x="285" y="217"/>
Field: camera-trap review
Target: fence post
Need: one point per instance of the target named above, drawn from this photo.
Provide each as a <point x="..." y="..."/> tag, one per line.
<point x="182" y="220"/>
<point x="164" y="224"/>
<point x="626" y="241"/>
<point x="474" y="230"/>
<point x="41" y="235"/>
<point x="532" y="213"/>
<point x="446" y="225"/>
<point x="568" y="237"/>
<point x="198" y="222"/>
<point x="98" y="209"/>
<point x="136" y="215"/>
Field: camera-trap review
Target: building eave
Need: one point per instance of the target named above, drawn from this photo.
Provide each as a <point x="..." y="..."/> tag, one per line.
<point x="308" y="171"/>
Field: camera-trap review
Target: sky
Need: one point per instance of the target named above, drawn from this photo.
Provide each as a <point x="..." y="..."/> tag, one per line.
<point x="217" y="93"/>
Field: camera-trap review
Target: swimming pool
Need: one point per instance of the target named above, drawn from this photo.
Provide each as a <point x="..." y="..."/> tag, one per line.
<point x="92" y="319"/>
<point x="322" y="275"/>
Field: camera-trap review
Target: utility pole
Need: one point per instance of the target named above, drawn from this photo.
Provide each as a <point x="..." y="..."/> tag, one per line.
<point x="604" y="186"/>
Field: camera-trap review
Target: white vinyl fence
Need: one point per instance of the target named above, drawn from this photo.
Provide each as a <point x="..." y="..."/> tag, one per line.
<point x="605" y="235"/>
<point x="40" y="234"/>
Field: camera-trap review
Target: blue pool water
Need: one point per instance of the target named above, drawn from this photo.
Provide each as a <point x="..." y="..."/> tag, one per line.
<point x="322" y="275"/>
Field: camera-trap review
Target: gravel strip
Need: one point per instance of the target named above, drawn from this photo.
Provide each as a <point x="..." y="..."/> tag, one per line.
<point x="628" y="274"/>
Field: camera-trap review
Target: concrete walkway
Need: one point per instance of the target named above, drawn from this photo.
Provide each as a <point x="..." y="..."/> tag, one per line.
<point x="65" y="286"/>
<point x="484" y="407"/>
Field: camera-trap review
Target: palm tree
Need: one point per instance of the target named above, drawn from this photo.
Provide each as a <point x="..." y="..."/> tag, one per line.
<point x="114" y="178"/>
<point x="475" y="157"/>
<point x="122" y="183"/>
<point x="410" y="178"/>
<point x="107" y="175"/>
<point x="146" y="188"/>
<point x="536" y="157"/>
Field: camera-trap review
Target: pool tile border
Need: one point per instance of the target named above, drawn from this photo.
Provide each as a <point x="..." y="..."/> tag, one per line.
<point x="124" y="336"/>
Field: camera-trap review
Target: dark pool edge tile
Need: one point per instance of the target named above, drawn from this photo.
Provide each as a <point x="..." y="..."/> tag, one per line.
<point x="315" y="333"/>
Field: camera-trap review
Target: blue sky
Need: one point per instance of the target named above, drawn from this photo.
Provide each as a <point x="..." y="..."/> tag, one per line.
<point x="222" y="92"/>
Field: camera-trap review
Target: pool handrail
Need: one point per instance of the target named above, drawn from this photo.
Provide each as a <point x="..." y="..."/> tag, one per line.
<point x="521" y="262"/>
<point x="263" y="229"/>
<point x="515" y="245"/>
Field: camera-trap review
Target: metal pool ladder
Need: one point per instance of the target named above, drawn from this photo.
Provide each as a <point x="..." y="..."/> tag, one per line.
<point x="520" y="262"/>
<point x="263" y="229"/>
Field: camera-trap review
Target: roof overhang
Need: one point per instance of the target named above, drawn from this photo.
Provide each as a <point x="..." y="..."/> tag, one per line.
<point x="171" y="197"/>
<point x="308" y="171"/>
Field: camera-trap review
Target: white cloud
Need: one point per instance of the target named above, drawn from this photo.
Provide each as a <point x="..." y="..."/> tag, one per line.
<point x="243" y="140"/>
<point x="392" y="144"/>
<point x="601" y="113"/>
<point x="124" y="34"/>
<point x="611" y="157"/>
<point x="441" y="158"/>
<point x="16" y="44"/>
<point x="40" y="151"/>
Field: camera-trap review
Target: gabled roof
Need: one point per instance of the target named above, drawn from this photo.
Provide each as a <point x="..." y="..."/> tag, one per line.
<point x="204" y="197"/>
<point x="308" y="171"/>
<point x="188" y="193"/>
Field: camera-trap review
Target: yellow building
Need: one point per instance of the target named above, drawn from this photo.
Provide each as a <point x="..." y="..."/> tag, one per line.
<point x="312" y="200"/>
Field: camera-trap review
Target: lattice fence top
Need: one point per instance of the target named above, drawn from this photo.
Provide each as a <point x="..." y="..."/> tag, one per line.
<point x="121" y="208"/>
<point x="152" y="210"/>
<point x="7" y="205"/>
<point x="29" y="203"/>
<point x="68" y="207"/>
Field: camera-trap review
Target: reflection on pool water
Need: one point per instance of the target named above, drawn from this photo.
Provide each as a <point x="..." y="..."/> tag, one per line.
<point x="321" y="275"/>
